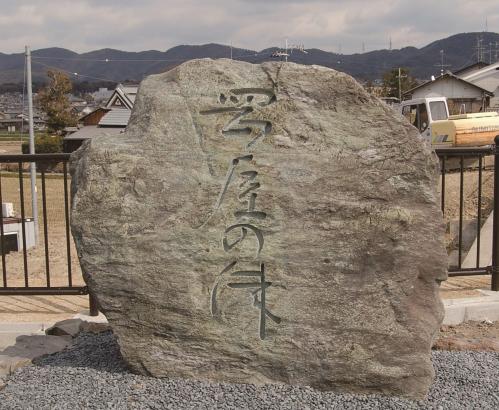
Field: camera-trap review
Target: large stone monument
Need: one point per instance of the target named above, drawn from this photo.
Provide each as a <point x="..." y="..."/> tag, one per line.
<point x="265" y="223"/>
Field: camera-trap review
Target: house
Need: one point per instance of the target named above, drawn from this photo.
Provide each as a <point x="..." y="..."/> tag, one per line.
<point x="487" y="78"/>
<point x="15" y="122"/>
<point x="110" y="119"/>
<point x="462" y="96"/>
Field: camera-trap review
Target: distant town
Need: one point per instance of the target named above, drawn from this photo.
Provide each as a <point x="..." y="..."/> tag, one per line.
<point x="104" y="107"/>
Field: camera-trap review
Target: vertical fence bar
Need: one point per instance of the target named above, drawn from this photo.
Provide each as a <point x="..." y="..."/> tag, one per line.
<point x="461" y="206"/>
<point x="2" y="237"/>
<point x="23" y="224"/>
<point x="66" y="214"/>
<point x="45" y="227"/>
<point x="479" y="212"/>
<point x="442" y="194"/>
<point x="93" y="306"/>
<point x="495" y="229"/>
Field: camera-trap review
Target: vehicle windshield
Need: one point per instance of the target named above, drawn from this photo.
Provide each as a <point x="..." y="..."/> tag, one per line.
<point x="417" y="116"/>
<point x="438" y="110"/>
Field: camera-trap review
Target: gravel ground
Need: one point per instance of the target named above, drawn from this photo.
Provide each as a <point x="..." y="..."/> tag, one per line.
<point x="92" y="375"/>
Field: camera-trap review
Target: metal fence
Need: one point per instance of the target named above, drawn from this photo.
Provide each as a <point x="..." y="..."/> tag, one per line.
<point x="459" y="164"/>
<point x="56" y="268"/>
<point x="470" y="164"/>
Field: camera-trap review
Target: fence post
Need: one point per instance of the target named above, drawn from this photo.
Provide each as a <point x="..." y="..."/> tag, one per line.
<point x="93" y="306"/>
<point x="495" y="229"/>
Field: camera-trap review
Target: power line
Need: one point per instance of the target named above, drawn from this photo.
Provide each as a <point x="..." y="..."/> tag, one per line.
<point x="106" y="60"/>
<point x="148" y="60"/>
<point x="76" y="74"/>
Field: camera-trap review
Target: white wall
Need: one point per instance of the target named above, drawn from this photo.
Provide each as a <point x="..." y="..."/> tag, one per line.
<point x="448" y="87"/>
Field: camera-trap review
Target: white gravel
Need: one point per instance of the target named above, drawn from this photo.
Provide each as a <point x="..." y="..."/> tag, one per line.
<point x="92" y="375"/>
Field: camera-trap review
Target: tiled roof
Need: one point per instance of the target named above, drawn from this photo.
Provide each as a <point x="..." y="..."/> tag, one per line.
<point x="91" y="131"/>
<point x="117" y="117"/>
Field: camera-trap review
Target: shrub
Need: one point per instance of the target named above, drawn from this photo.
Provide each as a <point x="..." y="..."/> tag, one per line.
<point x="45" y="144"/>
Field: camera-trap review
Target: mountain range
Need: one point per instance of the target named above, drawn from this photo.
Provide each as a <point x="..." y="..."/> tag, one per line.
<point x="118" y="66"/>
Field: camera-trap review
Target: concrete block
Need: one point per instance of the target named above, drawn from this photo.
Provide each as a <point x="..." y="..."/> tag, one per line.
<point x="482" y="311"/>
<point x="454" y="315"/>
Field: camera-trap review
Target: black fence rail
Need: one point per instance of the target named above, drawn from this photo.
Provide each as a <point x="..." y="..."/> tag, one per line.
<point x="472" y="162"/>
<point x="454" y="161"/>
<point x="48" y="166"/>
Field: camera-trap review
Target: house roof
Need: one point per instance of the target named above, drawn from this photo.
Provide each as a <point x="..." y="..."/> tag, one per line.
<point x="91" y="131"/>
<point x="90" y="113"/>
<point x="477" y="66"/>
<point x="126" y="94"/>
<point x="447" y="75"/>
<point x="116" y="117"/>
<point x="490" y="69"/>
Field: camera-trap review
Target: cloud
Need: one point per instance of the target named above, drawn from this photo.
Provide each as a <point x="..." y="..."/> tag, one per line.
<point x="255" y="24"/>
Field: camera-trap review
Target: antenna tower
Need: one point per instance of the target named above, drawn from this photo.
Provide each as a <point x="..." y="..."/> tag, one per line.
<point x="288" y="50"/>
<point x="441" y="64"/>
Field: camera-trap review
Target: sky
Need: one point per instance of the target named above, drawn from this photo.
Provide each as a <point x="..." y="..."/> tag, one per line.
<point x="347" y="26"/>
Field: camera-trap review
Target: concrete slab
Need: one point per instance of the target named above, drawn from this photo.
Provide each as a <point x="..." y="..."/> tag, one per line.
<point x="14" y="309"/>
<point x="10" y="331"/>
<point x="85" y="316"/>
<point x="485" y="307"/>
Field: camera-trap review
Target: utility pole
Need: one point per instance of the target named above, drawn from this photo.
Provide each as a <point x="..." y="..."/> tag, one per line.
<point x="231" y="50"/>
<point x="400" y="76"/>
<point x="34" y="200"/>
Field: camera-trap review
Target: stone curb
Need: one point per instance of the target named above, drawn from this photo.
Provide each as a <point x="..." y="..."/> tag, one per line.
<point x="483" y="308"/>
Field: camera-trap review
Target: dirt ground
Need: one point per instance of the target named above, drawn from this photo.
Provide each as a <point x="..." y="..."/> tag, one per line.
<point x="10" y="147"/>
<point x="464" y="286"/>
<point x="481" y="336"/>
<point x="470" y="191"/>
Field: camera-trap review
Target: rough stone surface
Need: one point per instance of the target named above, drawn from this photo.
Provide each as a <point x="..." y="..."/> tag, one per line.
<point x="9" y="364"/>
<point x="265" y="224"/>
<point x="68" y="327"/>
<point x="94" y="327"/>
<point x="35" y="346"/>
<point x="29" y="348"/>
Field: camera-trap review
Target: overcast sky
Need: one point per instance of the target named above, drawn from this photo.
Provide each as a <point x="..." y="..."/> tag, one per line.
<point x="132" y="25"/>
